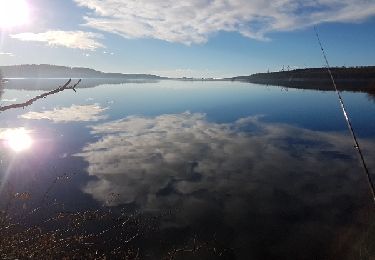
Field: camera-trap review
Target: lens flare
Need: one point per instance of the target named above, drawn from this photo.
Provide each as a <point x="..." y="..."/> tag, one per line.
<point x="13" y="13"/>
<point x="17" y="139"/>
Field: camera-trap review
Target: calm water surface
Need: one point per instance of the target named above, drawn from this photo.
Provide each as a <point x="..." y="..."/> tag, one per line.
<point x="215" y="169"/>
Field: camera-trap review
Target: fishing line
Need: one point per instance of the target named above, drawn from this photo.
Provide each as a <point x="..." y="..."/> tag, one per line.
<point x="349" y="124"/>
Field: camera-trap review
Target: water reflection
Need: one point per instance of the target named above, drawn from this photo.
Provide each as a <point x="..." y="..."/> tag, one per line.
<point x="371" y="96"/>
<point x="17" y="139"/>
<point x="53" y="83"/>
<point x="74" y="113"/>
<point x="1" y="87"/>
<point x="266" y="188"/>
<point x="263" y="190"/>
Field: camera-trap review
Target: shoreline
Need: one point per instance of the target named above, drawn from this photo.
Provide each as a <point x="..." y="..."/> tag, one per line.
<point x="349" y="79"/>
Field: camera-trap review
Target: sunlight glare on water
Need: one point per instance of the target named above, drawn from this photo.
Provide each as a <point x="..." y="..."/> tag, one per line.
<point x="17" y="139"/>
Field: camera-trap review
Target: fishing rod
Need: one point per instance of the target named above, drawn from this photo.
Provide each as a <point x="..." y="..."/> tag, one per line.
<point x="347" y="119"/>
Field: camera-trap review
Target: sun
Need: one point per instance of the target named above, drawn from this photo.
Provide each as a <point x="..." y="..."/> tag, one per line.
<point x="17" y="139"/>
<point x="13" y="13"/>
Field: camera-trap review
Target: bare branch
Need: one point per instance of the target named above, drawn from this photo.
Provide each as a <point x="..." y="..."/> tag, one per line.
<point x="44" y="95"/>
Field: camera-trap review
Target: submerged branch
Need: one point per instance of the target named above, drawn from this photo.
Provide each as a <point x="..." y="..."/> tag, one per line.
<point x="44" y="95"/>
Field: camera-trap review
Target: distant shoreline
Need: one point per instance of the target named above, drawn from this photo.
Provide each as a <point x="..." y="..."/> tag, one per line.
<point x="350" y="79"/>
<point x="30" y="71"/>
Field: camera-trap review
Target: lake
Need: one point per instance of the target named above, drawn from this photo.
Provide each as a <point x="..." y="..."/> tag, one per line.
<point x="181" y="170"/>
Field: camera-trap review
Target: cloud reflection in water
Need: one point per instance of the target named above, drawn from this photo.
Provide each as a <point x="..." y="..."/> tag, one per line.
<point x="266" y="181"/>
<point x="74" y="113"/>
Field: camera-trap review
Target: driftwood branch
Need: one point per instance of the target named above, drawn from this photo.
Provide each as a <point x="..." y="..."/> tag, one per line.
<point x="44" y="95"/>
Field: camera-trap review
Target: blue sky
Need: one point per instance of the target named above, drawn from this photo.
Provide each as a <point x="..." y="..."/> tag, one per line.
<point x="200" y="38"/>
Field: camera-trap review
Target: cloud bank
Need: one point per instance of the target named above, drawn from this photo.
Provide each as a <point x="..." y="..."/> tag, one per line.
<point x="69" y="39"/>
<point x="194" y="21"/>
<point x="75" y="113"/>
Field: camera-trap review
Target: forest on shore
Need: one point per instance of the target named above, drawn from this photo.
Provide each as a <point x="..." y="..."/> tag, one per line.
<point x="353" y="78"/>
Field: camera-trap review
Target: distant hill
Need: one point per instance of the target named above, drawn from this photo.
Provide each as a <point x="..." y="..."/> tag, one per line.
<point x="53" y="71"/>
<point x="355" y="79"/>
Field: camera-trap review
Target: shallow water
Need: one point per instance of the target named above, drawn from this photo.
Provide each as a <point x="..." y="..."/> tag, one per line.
<point x="250" y="171"/>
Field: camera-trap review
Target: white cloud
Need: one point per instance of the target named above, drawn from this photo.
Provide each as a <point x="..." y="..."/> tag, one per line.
<point x="230" y="173"/>
<point x="138" y="157"/>
<point x="5" y="131"/>
<point x="193" y="21"/>
<point x="7" y="54"/>
<point x="69" y="39"/>
<point x="75" y="113"/>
